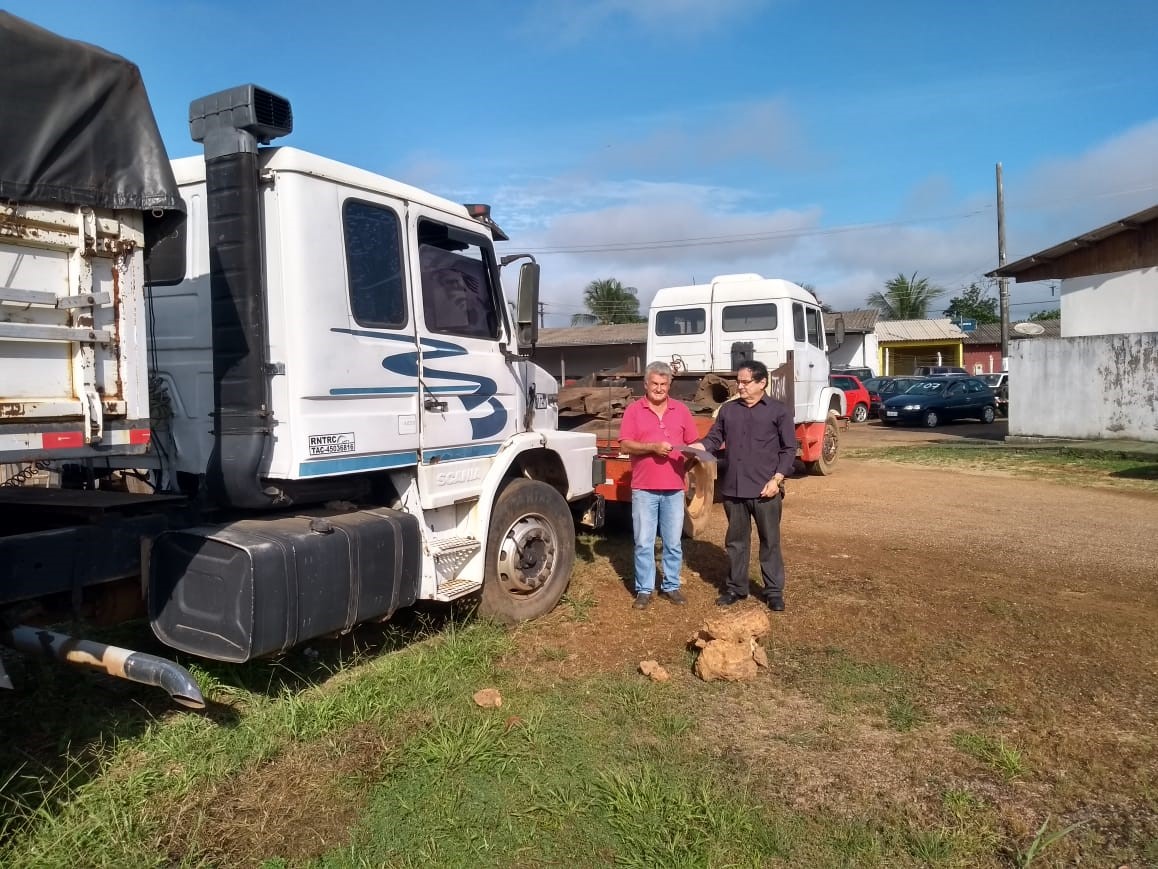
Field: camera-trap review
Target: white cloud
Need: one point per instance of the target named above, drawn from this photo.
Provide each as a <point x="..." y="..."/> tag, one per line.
<point x="1068" y="196"/>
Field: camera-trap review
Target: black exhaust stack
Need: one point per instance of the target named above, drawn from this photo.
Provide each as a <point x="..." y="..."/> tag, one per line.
<point x="230" y="125"/>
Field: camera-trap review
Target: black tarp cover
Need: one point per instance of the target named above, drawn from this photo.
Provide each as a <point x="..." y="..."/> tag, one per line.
<point x="76" y="128"/>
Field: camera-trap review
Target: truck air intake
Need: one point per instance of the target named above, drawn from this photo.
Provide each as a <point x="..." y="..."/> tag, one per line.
<point x="230" y="125"/>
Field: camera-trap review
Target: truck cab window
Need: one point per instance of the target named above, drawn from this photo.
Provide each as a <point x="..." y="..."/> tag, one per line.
<point x="689" y="321"/>
<point x="456" y="283"/>
<point x="815" y="327"/>
<point x="798" y="331"/>
<point x="374" y="265"/>
<point x="749" y="318"/>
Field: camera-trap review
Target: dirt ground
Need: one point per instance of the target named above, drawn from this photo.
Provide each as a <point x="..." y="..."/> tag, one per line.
<point x="1025" y="609"/>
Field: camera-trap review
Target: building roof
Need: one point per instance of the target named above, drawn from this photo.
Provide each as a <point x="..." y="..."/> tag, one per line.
<point x="990" y="333"/>
<point x="1100" y="251"/>
<point x="594" y="336"/>
<point x="918" y="330"/>
<point x="859" y="321"/>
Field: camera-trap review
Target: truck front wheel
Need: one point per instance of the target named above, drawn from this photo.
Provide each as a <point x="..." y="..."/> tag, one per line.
<point x="829" y="449"/>
<point x="530" y="553"/>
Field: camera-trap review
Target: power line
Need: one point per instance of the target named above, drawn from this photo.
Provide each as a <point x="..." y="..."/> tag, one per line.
<point x="712" y="240"/>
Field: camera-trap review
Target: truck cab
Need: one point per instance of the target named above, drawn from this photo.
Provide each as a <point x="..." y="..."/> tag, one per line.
<point x="712" y="328"/>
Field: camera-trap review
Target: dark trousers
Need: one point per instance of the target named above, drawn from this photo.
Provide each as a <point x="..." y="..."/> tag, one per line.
<point x="738" y="542"/>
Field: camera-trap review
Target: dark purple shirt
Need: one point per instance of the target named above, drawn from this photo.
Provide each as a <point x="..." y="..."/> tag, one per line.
<point x="761" y="442"/>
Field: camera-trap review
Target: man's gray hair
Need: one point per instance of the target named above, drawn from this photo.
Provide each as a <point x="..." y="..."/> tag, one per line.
<point x="661" y="368"/>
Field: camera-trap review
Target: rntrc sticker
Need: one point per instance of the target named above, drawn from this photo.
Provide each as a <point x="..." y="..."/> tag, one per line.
<point x="328" y="444"/>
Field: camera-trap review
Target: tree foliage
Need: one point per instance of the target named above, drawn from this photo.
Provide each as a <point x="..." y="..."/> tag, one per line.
<point x="1051" y="314"/>
<point x="608" y="301"/>
<point x="905" y="298"/>
<point x="824" y="306"/>
<point x="974" y="303"/>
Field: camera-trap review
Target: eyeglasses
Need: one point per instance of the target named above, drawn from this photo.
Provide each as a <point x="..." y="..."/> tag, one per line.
<point x="746" y="382"/>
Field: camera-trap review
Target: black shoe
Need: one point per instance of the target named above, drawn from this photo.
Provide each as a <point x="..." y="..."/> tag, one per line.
<point x="675" y="597"/>
<point x="775" y="601"/>
<point x="727" y="599"/>
<point x="642" y="601"/>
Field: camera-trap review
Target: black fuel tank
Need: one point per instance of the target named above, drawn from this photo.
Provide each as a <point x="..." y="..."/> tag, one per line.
<point x="250" y="588"/>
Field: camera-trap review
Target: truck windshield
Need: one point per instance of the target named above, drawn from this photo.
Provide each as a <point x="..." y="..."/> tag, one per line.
<point x="457" y="294"/>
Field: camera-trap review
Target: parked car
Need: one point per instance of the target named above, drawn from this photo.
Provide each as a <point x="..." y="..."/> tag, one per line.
<point x="887" y="387"/>
<point x="936" y="399"/>
<point x="861" y="372"/>
<point x="999" y="383"/>
<point x="856" y="396"/>
<point x="938" y="370"/>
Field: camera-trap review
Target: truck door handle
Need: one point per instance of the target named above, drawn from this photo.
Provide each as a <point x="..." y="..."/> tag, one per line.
<point x="434" y="404"/>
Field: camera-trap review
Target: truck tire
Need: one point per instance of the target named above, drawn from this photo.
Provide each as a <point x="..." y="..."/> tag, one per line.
<point x="699" y="497"/>
<point x="829" y="449"/>
<point x="530" y="553"/>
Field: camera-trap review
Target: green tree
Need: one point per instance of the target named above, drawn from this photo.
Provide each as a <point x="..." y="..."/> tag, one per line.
<point x="974" y="303"/>
<point x="608" y="301"/>
<point x="1051" y="314"/>
<point x="905" y="298"/>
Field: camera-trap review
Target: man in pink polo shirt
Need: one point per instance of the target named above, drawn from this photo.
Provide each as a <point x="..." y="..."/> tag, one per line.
<point x="652" y="432"/>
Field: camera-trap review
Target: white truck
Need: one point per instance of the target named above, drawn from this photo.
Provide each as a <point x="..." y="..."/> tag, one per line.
<point x="315" y="378"/>
<point x="712" y="328"/>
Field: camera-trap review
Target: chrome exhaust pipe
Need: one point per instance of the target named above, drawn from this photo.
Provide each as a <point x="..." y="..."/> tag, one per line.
<point x="122" y="663"/>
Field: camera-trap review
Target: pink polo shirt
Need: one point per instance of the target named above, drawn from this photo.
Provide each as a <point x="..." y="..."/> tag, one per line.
<point x="641" y="423"/>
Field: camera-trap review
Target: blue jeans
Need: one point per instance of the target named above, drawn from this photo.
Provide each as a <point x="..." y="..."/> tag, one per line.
<point x="663" y="510"/>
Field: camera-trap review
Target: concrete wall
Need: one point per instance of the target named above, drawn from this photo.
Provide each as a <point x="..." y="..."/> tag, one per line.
<point x="1085" y="388"/>
<point x="1114" y="304"/>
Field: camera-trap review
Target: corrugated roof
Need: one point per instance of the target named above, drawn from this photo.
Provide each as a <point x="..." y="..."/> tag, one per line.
<point x="917" y="330"/>
<point x="1051" y="254"/>
<point x="990" y="333"/>
<point x="859" y="321"/>
<point x="594" y="336"/>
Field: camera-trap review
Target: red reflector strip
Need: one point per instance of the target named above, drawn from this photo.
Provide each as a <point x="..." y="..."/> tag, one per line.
<point x="62" y="440"/>
<point x="139" y="436"/>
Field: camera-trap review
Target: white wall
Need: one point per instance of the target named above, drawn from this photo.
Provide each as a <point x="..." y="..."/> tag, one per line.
<point x="1085" y="388"/>
<point x="1114" y="304"/>
<point x="856" y="350"/>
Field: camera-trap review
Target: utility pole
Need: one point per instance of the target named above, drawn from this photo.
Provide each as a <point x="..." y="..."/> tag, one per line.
<point x="1002" y="282"/>
<point x="541" y="314"/>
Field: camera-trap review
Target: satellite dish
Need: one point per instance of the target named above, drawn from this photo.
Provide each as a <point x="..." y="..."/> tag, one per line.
<point x="1028" y="328"/>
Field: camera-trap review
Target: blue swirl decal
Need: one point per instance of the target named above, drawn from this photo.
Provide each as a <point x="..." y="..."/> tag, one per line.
<point x="484" y="391"/>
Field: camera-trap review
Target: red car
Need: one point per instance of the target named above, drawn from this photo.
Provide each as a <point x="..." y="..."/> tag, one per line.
<point x="856" y="396"/>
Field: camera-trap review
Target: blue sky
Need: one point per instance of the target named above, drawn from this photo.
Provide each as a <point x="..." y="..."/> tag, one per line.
<point x="662" y="142"/>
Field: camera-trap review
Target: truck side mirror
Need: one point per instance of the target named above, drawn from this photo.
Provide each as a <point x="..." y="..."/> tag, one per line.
<point x="527" y="307"/>
<point x="838" y="330"/>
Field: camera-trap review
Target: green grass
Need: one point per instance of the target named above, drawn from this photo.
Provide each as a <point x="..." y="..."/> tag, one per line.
<point x="995" y="753"/>
<point x="390" y="749"/>
<point x="1060" y="461"/>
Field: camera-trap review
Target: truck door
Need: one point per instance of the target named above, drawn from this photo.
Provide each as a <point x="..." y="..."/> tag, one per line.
<point x="467" y="388"/>
<point x="810" y="360"/>
<point x="356" y="411"/>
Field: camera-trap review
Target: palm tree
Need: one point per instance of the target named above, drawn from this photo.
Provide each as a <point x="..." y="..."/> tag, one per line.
<point x="608" y="301"/>
<point x="905" y="298"/>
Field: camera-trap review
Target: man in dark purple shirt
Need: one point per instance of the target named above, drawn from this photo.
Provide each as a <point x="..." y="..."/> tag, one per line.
<point x="760" y="436"/>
